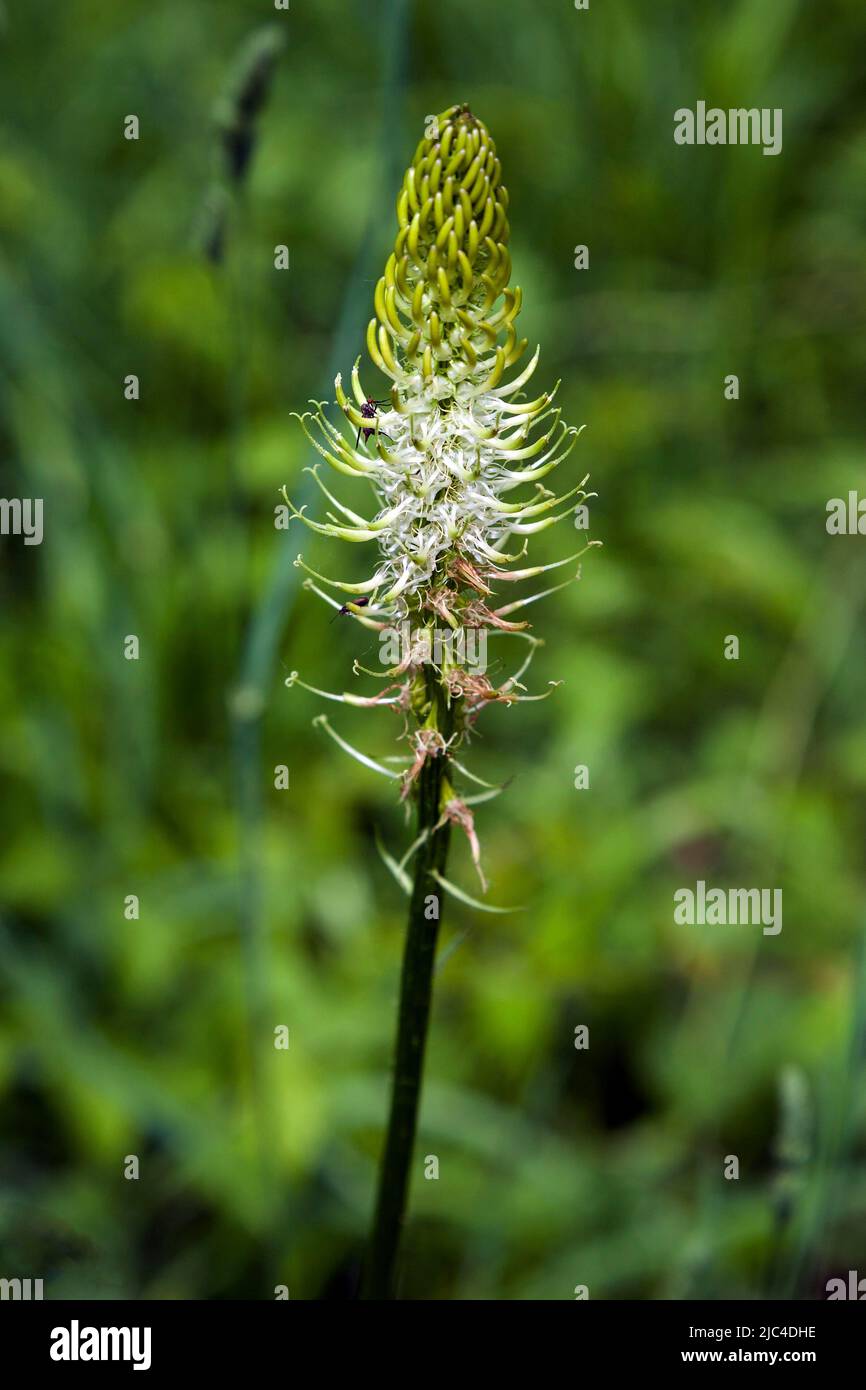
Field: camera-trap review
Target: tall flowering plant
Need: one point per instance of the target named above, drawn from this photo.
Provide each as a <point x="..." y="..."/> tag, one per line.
<point x="448" y="456"/>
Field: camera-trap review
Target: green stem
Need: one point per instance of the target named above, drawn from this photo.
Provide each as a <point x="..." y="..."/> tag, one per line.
<point x="416" y="990"/>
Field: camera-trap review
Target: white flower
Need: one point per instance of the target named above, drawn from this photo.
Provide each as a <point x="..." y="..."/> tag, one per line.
<point x="442" y="474"/>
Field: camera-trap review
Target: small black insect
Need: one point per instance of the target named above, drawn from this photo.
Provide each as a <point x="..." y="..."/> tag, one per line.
<point x="369" y="410"/>
<point x="358" y="602"/>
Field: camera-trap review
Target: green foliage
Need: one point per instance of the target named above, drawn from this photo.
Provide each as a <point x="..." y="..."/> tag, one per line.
<point x="262" y="907"/>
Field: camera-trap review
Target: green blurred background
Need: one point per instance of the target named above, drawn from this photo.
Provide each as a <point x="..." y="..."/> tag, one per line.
<point x="261" y="907"/>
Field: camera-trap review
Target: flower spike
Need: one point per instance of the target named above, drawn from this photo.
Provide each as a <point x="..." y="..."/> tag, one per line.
<point x="446" y="450"/>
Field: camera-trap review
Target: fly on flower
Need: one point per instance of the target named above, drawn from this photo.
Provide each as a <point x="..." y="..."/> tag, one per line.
<point x="347" y="608"/>
<point x="369" y="411"/>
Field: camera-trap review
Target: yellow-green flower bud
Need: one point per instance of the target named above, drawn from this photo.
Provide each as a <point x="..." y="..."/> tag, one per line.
<point x="437" y="305"/>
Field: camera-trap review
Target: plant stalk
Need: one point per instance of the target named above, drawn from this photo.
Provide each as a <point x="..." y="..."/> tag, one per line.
<point x="416" y="991"/>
